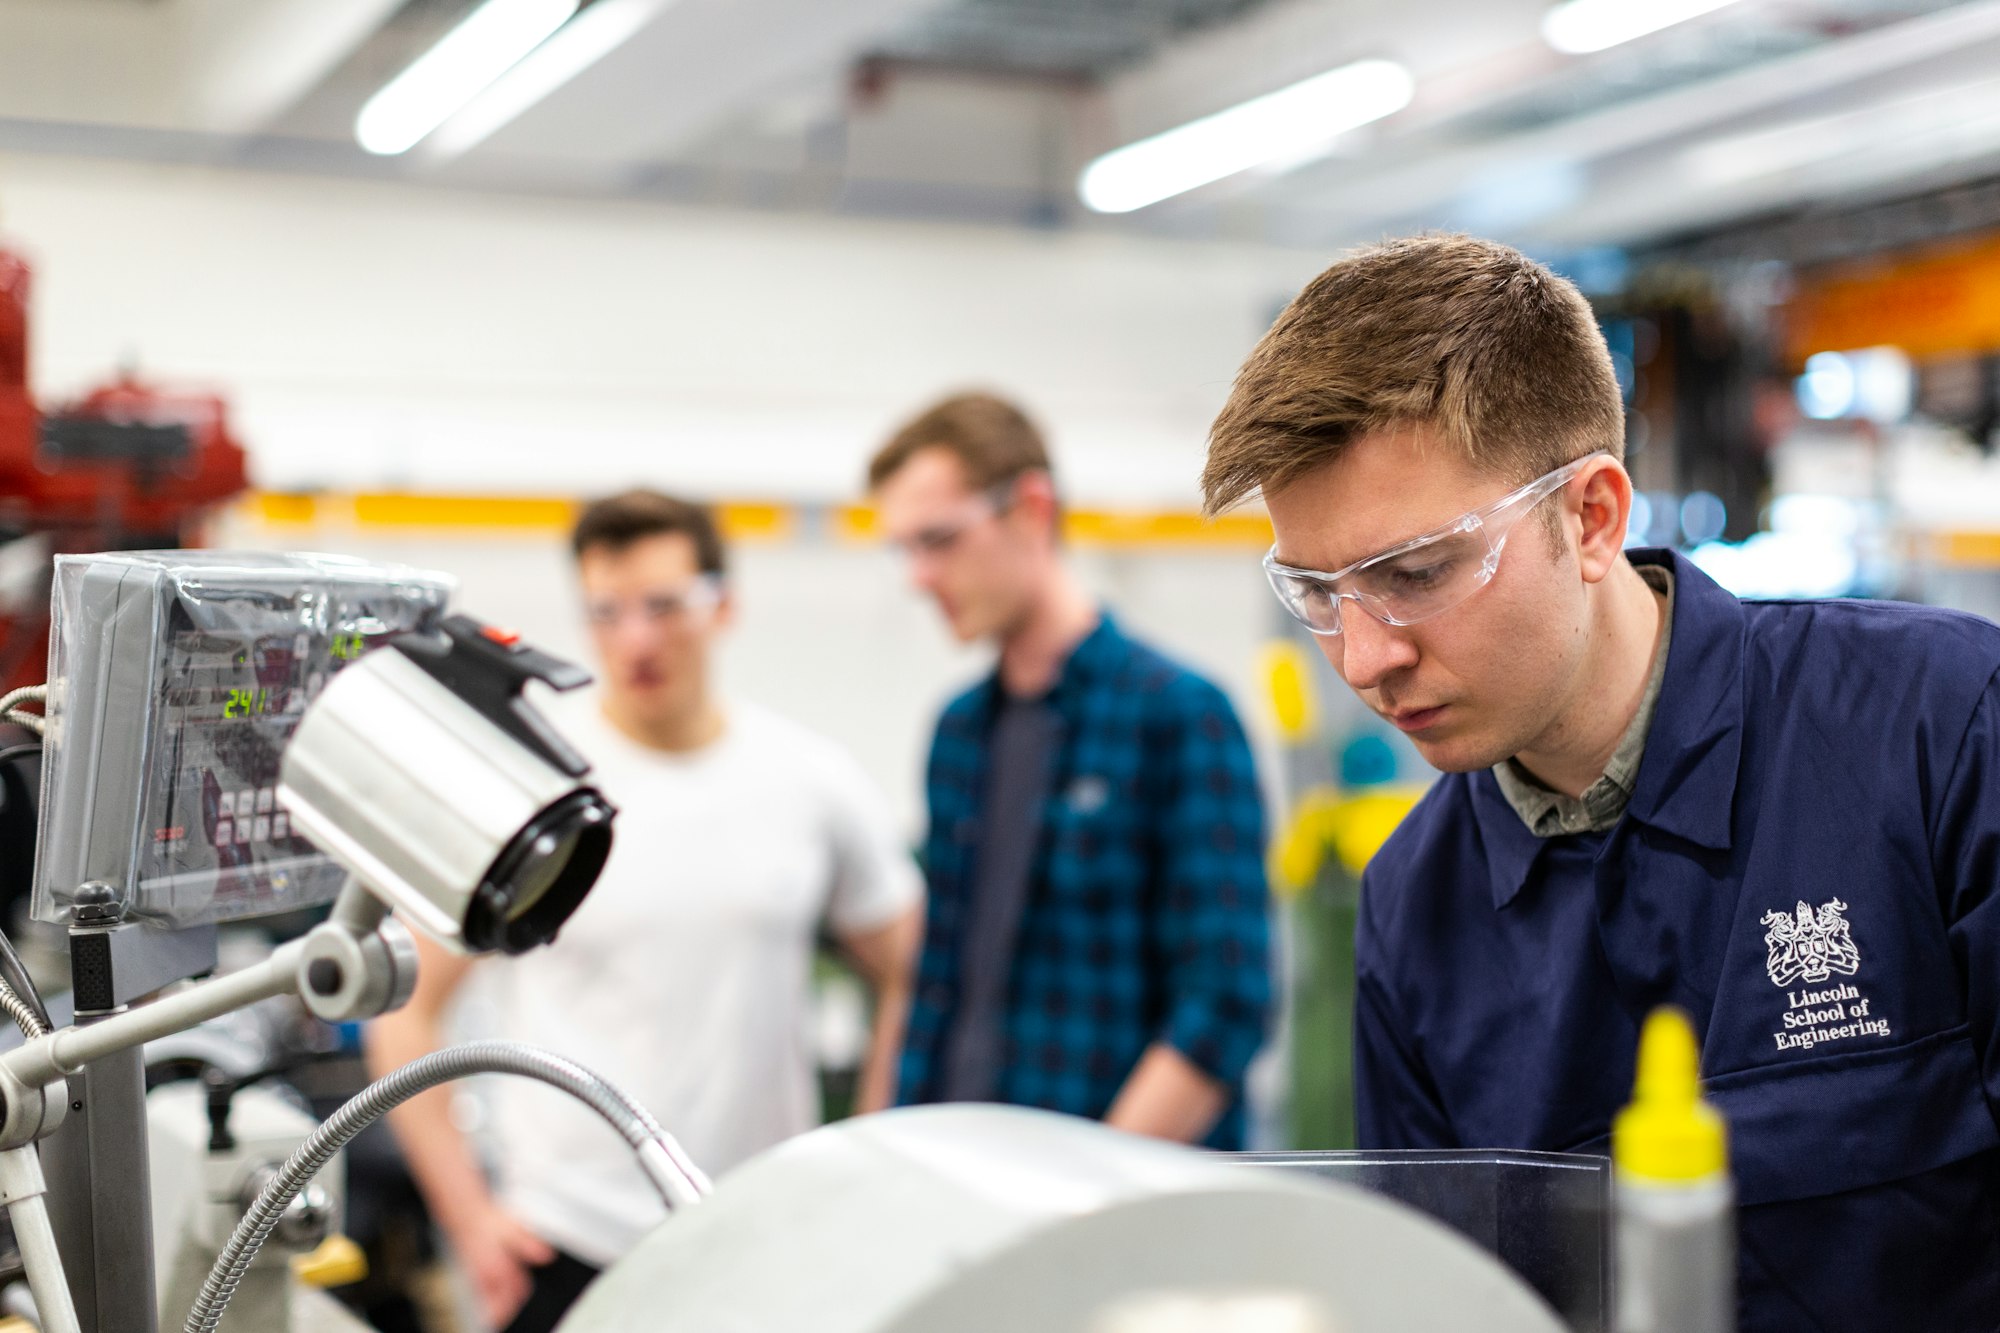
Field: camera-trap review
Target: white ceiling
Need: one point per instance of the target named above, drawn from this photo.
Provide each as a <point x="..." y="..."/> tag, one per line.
<point x="986" y="109"/>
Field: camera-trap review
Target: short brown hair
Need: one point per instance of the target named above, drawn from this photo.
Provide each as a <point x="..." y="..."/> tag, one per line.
<point x="1466" y="337"/>
<point x="617" y="521"/>
<point x="994" y="439"/>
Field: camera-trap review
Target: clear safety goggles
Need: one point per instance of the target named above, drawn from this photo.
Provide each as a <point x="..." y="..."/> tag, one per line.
<point x="942" y="538"/>
<point x="1420" y="578"/>
<point x="662" y="607"/>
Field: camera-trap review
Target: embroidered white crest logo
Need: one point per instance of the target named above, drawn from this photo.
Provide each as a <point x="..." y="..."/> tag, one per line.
<point x="1810" y="946"/>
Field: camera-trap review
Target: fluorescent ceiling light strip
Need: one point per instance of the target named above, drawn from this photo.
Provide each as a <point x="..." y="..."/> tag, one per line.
<point x="595" y="33"/>
<point x="1286" y="125"/>
<point x="440" y="81"/>
<point x="1580" y="26"/>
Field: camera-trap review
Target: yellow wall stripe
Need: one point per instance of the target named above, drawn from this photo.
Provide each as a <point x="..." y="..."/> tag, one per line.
<point x="740" y="520"/>
<point x="1976" y="549"/>
<point x="396" y="510"/>
<point x="284" y="510"/>
<point x="1088" y="527"/>
<point x="755" y="522"/>
<point x="855" y="523"/>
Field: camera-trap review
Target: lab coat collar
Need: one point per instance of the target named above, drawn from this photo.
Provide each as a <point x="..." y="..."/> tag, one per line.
<point x="1511" y="846"/>
<point x="1687" y="777"/>
<point x="1686" y="783"/>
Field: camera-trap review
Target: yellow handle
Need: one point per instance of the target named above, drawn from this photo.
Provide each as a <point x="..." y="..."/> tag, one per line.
<point x="337" y="1262"/>
<point x="1288" y="679"/>
<point x="1352" y="827"/>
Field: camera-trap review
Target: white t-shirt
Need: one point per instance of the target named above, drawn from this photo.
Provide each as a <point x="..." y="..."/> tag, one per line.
<point x="684" y="976"/>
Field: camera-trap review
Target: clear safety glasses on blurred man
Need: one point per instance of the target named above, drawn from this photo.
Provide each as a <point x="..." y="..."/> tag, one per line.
<point x="1778" y="817"/>
<point x="685" y="977"/>
<point x="1096" y="940"/>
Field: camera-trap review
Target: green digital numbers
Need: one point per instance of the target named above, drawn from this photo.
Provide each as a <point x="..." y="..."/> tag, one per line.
<point x="347" y="647"/>
<point x="247" y="703"/>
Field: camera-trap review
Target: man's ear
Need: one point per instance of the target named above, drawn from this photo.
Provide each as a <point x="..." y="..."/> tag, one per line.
<point x="1601" y="501"/>
<point x="1035" y="498"/>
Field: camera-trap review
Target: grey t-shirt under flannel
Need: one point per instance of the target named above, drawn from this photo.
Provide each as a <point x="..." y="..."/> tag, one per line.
<point x="1026" y="736"/>
<point x="1551" y="814"/>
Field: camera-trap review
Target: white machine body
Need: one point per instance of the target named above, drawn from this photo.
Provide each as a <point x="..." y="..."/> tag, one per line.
<point x="199" y="1196"/>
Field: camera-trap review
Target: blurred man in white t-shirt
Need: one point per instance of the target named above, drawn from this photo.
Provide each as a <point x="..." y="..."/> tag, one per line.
<point x="685" y="976"/>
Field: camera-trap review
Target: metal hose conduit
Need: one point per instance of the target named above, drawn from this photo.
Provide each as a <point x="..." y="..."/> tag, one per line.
<point x="678" y="1180"/>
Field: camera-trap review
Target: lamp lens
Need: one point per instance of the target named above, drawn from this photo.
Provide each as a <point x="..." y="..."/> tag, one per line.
<point x="543" y="875"/>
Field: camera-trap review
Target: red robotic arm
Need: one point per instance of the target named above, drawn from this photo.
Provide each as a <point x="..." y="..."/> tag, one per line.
<point x="126" y="467"/>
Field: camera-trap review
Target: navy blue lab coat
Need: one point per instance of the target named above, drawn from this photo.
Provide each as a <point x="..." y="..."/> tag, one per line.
<point x="1810" y="866"/>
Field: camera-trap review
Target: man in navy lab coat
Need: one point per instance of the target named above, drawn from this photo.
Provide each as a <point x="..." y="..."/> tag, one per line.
<point x="1782" y="816"/>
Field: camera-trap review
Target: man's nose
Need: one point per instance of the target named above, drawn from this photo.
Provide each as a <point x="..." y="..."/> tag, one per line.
<point x="634" y="632"/>
<point x="1366" y="652"/>
<point x="922" y="572"/>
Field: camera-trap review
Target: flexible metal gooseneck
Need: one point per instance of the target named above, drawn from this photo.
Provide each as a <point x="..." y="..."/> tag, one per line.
<point x="677" y="1179"/>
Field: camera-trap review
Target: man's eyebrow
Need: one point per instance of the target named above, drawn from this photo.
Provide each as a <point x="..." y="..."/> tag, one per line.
<point x="1311" y="569"/>
<point x="1442" y="528"/>
<point x="1345" y="564"/>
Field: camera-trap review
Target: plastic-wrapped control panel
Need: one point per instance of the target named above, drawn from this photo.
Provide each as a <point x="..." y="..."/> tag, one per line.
<point x="176" y="679"/>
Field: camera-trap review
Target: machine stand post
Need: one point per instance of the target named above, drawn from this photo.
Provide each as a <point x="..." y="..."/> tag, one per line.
<point x="100" y="1196"/>
<point x="100" y="1178"/>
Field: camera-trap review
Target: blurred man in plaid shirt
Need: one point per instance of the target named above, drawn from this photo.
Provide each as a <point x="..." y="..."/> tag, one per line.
<point x="1097" y="939"/>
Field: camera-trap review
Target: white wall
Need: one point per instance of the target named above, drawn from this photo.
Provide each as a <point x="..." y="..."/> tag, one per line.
<point x="380" y="335"/>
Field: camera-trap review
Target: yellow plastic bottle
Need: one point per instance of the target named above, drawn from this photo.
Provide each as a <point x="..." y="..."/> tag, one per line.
<point x="1675" y="1206"/>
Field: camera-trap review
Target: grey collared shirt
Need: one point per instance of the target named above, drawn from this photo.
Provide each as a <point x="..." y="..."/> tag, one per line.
<point x="1551" y="814"/>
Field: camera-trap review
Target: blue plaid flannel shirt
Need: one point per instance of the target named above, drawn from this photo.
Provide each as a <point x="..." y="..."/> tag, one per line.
<point x="1148" y="917"/>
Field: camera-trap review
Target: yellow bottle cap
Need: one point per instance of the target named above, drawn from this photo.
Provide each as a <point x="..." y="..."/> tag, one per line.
<point x="1669" y="1133"/>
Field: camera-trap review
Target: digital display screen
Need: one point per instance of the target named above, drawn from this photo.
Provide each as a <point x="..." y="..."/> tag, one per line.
<point x="217" y="833"/>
